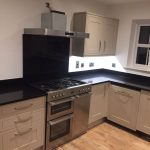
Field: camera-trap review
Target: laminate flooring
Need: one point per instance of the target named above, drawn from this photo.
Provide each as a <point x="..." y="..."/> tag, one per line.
<point x="107" y="137"/>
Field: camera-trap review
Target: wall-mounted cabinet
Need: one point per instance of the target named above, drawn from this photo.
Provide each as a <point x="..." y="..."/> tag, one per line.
<point x="103" y="35"/>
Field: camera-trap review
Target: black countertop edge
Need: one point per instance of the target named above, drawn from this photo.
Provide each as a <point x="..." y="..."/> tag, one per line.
<point x="21" y="100"/>
<point x="131" y="81"/>
<point x="110" y="72"/>
<point x="16" y="90"/>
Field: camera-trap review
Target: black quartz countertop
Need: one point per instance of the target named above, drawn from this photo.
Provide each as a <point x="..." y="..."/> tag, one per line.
<point x="127" y="80"/>
<point x="15" y="92"/>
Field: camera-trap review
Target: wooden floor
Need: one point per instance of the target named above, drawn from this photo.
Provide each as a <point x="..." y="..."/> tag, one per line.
<point x="107" y="137"/>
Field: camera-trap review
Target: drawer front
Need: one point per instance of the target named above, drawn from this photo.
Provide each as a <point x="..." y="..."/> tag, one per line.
<point x="24" y="139"/>
<point x="124" y="91"/>
<point x="24" y="119"/>
<point x="20" y="107"/>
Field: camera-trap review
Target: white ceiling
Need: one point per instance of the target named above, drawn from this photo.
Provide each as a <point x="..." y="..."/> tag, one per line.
<point x="121" y="1"/>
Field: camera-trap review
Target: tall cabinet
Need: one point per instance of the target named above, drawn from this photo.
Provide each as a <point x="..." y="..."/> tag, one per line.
<point x="102" y="31"/>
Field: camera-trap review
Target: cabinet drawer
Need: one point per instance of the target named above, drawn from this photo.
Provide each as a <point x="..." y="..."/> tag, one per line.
<point x="24" y="119"/>
<point x="24" y="139"/>
<point x="20" y="107"/>
<point x="124" y="91"/>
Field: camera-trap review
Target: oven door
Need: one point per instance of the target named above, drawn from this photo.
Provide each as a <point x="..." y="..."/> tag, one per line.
<point x="59" y="131"/>
<point x="60" y="108"/>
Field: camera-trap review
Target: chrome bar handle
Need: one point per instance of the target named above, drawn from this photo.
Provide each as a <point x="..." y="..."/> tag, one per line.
<point x="100" y="44"/>
<point x="59" y="120"/>
<point x="53" y="103"/>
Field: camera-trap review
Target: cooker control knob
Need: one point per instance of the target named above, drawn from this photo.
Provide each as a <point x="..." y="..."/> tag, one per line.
<point x="53" y="96"/>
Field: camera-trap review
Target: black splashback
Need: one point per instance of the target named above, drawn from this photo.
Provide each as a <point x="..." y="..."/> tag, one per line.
<point x="45" y="57"/>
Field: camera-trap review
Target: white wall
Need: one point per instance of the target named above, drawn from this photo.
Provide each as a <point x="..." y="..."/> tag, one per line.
<point x="15" y="15"/>
<point x="126" y="13"/>
<point x="99" y="62"/>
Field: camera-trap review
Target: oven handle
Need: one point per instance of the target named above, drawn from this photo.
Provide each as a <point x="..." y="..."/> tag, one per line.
<point x="62" y="101"/>
<point x="61" y="119"/>
<point x="84" y="95"/>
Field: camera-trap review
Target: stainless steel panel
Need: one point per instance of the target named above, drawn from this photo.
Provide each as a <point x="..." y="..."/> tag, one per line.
<point x="53" y="144"/>
<point x="81" y="114"/>
<point x="51" y="116"/>
<point x="46" y="31"/>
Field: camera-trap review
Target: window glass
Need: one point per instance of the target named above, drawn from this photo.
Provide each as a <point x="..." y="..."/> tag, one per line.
<point x="144" y="35"/>
<point x="142" y="56"/>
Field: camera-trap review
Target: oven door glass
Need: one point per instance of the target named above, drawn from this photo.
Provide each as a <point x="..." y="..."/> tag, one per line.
<point x="60" y="127"/>
<point x="61" y="107"/>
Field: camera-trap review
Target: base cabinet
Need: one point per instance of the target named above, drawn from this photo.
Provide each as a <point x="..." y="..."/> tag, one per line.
<point x="123" y="106"/>
<point x="143" y="124"/>
<point x="98" y="102"/>
<point x="27" y="139"/>
<point x="22" y="127"/>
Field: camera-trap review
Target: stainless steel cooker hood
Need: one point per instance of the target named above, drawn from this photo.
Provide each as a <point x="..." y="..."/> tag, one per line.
<point x="46" y="32"/>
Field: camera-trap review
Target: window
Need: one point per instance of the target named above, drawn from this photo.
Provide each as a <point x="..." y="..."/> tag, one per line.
<point x="139" y="51"/>
<point x="142" y="46"/>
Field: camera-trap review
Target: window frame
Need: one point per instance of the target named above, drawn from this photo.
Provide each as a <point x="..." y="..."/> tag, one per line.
<point x="143" y="67"/>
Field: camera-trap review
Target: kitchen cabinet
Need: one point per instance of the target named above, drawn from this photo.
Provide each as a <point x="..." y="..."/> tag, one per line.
<point x="98" y="103"/>
<point x="103" y="35"/>
<point x="123" y="106"/>
<point x="22" y="125"/>
<point x="143" y="124"/>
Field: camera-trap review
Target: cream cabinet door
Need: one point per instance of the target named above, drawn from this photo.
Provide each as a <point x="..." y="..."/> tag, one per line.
<point x="123" y="106"/>
<point x="144" y="113"/>
<point x="1" y="148"/>
<point x="93" y="45"/>
<point x="98" y="102"/>
<point x="110" y="31"/>
<point x="25" y="139"/>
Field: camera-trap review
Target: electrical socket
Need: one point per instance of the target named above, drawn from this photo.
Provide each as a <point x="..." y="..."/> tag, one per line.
<point x="82" y="65"/>
<point x="77" y="64"/>
<point x="113" y="65"/>
<point x="91" y="64"/>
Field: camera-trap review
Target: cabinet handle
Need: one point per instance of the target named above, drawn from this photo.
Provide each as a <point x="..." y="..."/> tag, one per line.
<point x="104" y="90"/>
<point x="104" y="45"/>
<point x="23" y="120"/>
<point x="123" y="93"/>
<point x="100" y="44"/>
<point x="25" y="107"/>
<point x="24" y="132"/>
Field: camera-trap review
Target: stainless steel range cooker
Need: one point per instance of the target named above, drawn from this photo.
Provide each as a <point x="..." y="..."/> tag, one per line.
<point x="68" y="104"/>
